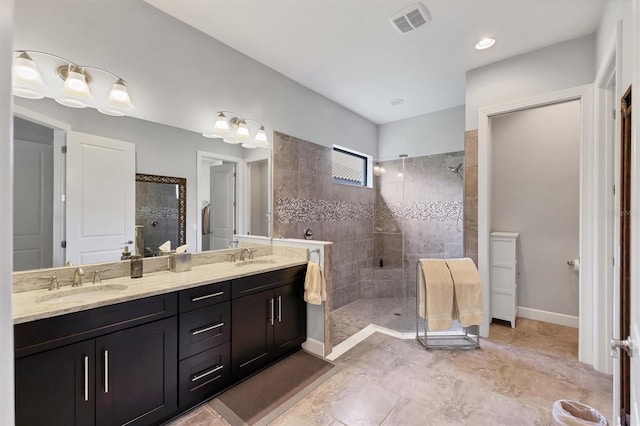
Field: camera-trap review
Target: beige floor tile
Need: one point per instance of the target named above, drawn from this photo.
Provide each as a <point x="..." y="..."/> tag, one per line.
<point x="407" y="413"/>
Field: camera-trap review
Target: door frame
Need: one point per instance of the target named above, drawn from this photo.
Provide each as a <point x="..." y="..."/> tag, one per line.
<point x="60" y="130"/>
<point x="588" y="340"/>
<point x="252" y="157"/>
<point x="240" y="179"/>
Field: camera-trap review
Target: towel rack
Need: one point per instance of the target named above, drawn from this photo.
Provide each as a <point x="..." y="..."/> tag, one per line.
<point x="460" y="338"/>
<point x="316" y="251"/>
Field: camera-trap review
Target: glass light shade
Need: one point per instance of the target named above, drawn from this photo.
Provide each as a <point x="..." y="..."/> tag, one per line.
<point x="261" y="138"/>
<point x="111" y="111"/>
<point x="242" y="132"/>
<point x="26" y="70"/>
<point x="76" y="85"/>
<point x="71" y="102"/>
<point x="119" y="95"/>
<point x="221" y="123"/>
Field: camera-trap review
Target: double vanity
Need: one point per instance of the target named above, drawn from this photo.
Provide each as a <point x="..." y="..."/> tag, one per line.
<point x="141" y="351"/>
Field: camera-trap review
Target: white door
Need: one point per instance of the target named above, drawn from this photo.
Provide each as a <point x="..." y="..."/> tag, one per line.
<point x="100" y="197"/>
<point x="223" y="209"/>
<point x="32" y="205"/>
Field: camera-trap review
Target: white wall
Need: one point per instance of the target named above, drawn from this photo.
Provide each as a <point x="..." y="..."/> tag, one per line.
<point x="6" y="213"/>
<point x="535" y="191"/>
<point x="561" y="66"/>
<point x="428" y="134"/>
<point x="180" y="76"/>
<point x="614" y="11"/>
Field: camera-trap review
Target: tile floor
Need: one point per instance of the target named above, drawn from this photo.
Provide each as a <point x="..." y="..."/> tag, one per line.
<point x="513" y="380"/>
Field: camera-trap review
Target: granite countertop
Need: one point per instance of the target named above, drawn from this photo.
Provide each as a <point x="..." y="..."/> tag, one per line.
<point x="40" y="304"/>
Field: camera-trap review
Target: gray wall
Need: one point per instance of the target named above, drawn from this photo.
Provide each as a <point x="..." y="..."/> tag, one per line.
<point x="535" y="191"/>
<point x="614" y="11"/>
<point x="180" y="76"/>
<point x="561" y="66"/>
<point x="435" y="133"/>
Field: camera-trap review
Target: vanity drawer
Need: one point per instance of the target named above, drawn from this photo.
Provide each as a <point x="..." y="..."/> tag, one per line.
<point x="203" y="375"/>
<point x="256" y="283"/>
<point x="204" y="328"/>
<point x="204" y="295"/>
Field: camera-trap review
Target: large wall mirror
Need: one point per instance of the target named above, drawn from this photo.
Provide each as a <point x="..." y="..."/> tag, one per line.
<point x="161" y="211"/>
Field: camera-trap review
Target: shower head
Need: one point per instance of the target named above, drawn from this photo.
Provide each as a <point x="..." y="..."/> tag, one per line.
<point x="456" y="170"/>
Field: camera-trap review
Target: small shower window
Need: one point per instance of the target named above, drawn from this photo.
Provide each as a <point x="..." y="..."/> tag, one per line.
<point x="351" y="167"/>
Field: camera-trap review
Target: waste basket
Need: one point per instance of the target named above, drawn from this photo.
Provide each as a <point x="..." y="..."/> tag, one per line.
<point x="572" y="413"/>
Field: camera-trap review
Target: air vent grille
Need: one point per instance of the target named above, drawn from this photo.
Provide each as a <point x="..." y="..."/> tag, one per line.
<point x="411" y="18"/>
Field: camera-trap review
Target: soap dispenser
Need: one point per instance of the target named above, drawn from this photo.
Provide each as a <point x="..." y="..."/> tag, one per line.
<point x="126" y="254"/>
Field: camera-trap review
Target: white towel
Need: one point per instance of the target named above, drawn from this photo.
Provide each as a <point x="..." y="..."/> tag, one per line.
<point x="435" y="279"/>
<point x="315" y="289"/>
<point x="468" y="291"/>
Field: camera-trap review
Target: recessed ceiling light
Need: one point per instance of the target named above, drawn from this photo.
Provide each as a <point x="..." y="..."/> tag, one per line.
<point x="396" y="101"/>
<point x="485" y="43"/>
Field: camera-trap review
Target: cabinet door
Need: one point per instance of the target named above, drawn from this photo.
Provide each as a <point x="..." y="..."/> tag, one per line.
<point x="290" y="318"/>
<point x="137" y="374"/>
<point x="252" y="319"/>
<point x="56" y="387"/>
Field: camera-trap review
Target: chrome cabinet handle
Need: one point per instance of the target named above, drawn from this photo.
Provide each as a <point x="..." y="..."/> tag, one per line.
<point x="200" y="376"/>
<point x="196" y="299"/>
<point x="106" y="371"/>
<point x="271" y="319"/>
<point x="205" y="329"/>
<point x="86" y="378"/>
<point x="279" y="308"/>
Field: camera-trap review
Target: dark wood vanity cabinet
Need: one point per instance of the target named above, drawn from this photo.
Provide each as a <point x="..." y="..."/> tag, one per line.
<point x="268" y="319"/>
<point x="121" y="377"/>
<point x="147" y="360"/>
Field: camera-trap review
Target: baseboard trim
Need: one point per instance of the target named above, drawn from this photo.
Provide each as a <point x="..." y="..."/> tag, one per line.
<point x="314" y="346"/>
<point x="546" y="316"/>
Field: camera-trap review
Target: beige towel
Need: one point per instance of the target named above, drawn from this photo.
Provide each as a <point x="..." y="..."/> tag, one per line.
<point x="315" y="289"/>
<point x="439" y="288"/>
<point x="468" y="291"/>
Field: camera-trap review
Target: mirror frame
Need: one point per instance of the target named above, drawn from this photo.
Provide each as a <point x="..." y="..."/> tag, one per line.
<point x="182" y="199"/>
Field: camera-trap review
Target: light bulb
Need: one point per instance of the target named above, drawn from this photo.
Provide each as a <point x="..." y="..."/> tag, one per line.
<point x="485" y="43"/>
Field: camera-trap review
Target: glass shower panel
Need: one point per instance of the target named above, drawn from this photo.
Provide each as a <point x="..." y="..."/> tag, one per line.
<point x="418" y="214"/>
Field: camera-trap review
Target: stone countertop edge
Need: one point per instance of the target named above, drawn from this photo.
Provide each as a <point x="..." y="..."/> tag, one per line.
<point x="26" y="308"/>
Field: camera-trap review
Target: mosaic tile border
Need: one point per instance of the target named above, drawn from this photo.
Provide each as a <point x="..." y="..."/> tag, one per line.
<point x="438" y="211"/>
<point x="296" y="210"/>
<point x="156" y="212"/>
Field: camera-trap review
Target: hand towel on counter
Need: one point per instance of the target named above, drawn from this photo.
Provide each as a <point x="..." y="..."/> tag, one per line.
<point x="315" y="289"/>
<point x="436" y="280"/>
<point x="468" y="291"/>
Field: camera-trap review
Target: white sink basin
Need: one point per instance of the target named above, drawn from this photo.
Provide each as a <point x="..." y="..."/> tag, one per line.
<point x="255" y="262"/>
<point x="80" y="294"/>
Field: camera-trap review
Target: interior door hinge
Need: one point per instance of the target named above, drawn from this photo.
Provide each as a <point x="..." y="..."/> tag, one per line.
<point x="614" y="190"/>
<point x="63" y="243"/>
<point x="614" y="114"/>
<point x="63" y="148"/>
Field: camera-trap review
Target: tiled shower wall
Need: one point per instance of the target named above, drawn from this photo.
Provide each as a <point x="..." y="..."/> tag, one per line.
<point x="425" y="202"/>
<point x="306" y="197"/>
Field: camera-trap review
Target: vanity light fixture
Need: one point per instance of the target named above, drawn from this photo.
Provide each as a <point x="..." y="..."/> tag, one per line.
<point x="485" y="43"/>
<point x="235" y="130"/>
<point x="75" y="91"/>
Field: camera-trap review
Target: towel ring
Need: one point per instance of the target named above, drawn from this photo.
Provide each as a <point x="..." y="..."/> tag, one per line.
<point x="317" y="252"/>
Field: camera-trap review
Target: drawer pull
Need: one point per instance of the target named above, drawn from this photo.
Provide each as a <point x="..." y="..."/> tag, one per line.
<point x="205" y="329"/>
<point x="106" y="371"/>
<point x="197" y="299"/>
<point x="200" y="376"/>
<point x="86" y="378"/>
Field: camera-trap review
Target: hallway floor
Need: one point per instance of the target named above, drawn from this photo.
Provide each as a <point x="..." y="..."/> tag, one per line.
<point x="513" y="380"/>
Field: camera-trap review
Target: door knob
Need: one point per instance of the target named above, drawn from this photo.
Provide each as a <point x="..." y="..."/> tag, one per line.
<point x="626" y="344"/>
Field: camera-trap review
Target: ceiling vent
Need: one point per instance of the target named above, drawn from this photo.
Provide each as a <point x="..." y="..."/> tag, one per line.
<point x="411" y="18"/>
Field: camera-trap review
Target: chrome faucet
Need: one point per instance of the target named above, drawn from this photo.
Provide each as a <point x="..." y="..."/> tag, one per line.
<point x="77" y="277"/>
<point x="246" y="251"/>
